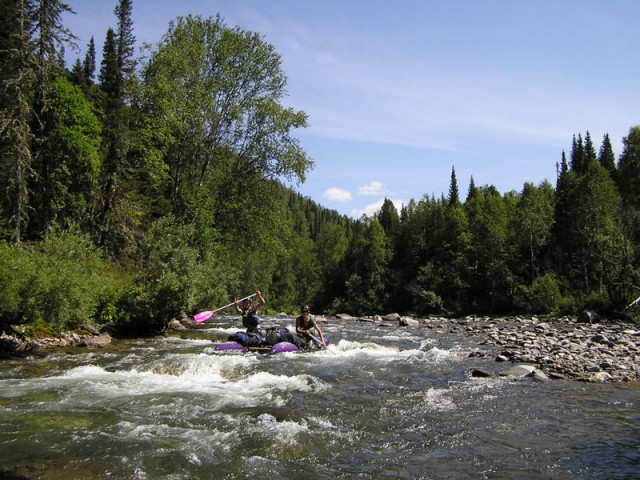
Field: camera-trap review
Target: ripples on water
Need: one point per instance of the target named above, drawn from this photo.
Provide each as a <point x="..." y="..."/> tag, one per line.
<point x="382" y="402"/>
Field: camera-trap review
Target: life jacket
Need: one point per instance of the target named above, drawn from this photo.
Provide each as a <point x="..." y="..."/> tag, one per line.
<point x="310" y="325"/>
<point x="250" y="320"/>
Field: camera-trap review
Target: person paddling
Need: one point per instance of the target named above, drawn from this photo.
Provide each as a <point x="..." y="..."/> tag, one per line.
<point x="250" y="319"/>
<point x="305" y="323"/>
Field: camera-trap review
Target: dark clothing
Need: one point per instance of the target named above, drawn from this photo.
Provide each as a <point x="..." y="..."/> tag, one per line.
<point x="250" y="319"/>
<point x="306" y="325"/>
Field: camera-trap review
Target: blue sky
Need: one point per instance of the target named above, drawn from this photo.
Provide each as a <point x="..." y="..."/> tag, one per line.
<point x="400" y="91"/>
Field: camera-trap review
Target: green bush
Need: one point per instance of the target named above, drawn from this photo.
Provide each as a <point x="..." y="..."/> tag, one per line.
<point x="597" y="301"/>
<point x="428" y="302"/>
<point x="55" y="285"/>
<point x="178" y="277"/>
<point x="542" y="297"/>
<point x="567" y="305"/>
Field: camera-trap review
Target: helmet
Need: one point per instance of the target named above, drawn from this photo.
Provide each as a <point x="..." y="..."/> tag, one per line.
<point x="305" y="308"/>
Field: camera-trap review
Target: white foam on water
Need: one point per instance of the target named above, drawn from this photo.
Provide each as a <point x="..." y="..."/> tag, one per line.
<point x="224" y="380"/>
<point x="437" y="400"/>
<point x="225" y="331"/>
<point x="425" y="353"/>
<point x="266" y="388"/>
<point x="283" y="432"/>
<point x="402" y="336"/>
<point x="188" y="342"/>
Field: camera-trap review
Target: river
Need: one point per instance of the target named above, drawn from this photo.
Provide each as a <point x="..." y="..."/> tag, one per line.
<point x="381" y="402"/>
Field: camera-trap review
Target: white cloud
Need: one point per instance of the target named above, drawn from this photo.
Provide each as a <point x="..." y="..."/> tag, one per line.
<point x="374" y="208"/>
<point x="337" y="195"/>
<point x="373" y="188"/>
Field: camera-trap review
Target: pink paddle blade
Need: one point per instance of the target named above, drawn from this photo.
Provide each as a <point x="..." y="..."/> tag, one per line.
<point x="203" y="316"/>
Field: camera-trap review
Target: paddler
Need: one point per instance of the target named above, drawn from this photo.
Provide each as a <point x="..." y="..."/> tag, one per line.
<point x="250" y="318"/>
<point x="306" y="325"/>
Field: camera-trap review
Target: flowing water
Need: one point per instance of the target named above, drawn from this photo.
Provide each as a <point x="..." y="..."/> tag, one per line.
<point x="381" y="402"/>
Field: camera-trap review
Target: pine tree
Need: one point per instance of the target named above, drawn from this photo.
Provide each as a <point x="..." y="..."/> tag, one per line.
<point x="110" y="83"/>
<point x="629" y="169"/>
<point x="607" y="158"/>
<point x="454" y="197"/>
<point x="578" y="162"/>
<point x="472" y="189"/>
<point x="589" y="151"/>
<point x="51" y="36"/>
<point x="17" y="77"/>
<point x="389" y="218"/>
<point x="109" y="75"/>
<point x="89" y="64"/>
<point x="125" y="44"/>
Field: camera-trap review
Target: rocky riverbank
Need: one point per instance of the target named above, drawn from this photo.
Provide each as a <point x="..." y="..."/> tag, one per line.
<point x="560" y="348"/>
<point x="20" y="344"/>
<point x="553" y="348"/>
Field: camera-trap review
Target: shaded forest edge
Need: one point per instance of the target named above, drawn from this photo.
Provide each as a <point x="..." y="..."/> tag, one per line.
<point x="152" y="188"/>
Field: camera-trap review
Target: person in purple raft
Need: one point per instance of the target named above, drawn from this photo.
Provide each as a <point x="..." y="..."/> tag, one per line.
<point x="306" y="326"/>
<point x="250" y="319"/>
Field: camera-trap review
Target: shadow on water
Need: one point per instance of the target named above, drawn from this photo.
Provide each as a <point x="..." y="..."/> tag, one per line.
<point x="11" y="475"/>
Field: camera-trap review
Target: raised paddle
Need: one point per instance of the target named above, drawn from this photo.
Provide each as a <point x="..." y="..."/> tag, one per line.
<point x="204" y="316"/>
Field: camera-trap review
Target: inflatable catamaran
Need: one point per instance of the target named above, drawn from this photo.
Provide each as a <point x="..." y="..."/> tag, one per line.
<point x="274" y="340"/>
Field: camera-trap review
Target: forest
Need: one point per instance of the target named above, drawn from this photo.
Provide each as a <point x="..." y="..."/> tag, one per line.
<point x="151" y="187"/>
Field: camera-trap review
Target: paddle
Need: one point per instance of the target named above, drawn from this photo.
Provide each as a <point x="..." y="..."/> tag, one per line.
<point x="204" y="316"/>
<point x="318" y="341"/>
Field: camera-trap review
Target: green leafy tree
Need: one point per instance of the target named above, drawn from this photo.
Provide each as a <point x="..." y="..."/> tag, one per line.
<point x="368" y="262"/>
<point x="73" y="151"/>
<point x="591" y="234"/>
<point x="533" y="224"/>
<point x="490" y="277"/>
<point x="212" y="95"/>
<point x="331" y="248"/>
<point x="177" y="277"/>
<point x="389" y="219"/>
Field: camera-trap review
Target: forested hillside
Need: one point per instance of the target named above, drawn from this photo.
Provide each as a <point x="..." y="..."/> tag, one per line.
<point x="136" y="191"/>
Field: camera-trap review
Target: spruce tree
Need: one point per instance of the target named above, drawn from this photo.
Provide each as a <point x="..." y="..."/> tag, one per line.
<point x="50" y="36"/>
<point x="89" y="64"/>
<point x="589" y="151"/>
<point x="125" y="44"/>
<point x="389" y="218"/>
<point x="607" y="158"/>
<point x="454" y="196"/>
<point x="109" y="74"/>
<point x="472" y="189"/>
<point x="110" y="84"/>
<point x="629" y="169"/>
<point x="578" y="162"/>
<point x="17" y="77"/>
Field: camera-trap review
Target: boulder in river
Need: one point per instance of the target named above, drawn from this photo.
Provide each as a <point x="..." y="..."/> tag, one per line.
<point x="101" y="341"/>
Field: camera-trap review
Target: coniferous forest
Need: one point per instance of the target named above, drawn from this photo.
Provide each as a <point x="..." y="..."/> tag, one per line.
<point x="144" y="188"/>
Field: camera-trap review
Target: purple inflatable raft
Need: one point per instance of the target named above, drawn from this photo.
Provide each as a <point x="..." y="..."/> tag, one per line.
<point x="281" y="347"/>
